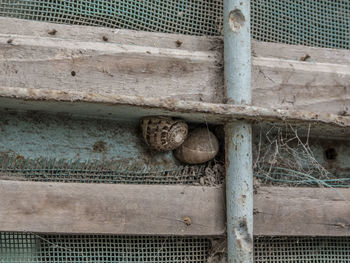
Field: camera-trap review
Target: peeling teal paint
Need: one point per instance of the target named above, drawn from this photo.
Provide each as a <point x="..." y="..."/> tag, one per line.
<point x="40" y="135"/>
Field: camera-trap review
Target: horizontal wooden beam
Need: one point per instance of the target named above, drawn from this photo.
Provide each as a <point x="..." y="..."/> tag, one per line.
<point x="109" y="62"/>
<point x="167" y="210"/>
<point x="111" y="209"/>
<point x="283" y="211"/>
<point x="128" y="63"/>
<point x="301" y="78"/>
<point x="132" y="108"/>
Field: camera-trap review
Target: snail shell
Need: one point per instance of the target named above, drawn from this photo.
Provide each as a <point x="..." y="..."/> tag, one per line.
<point x="163" y="133"/>
<point x="200" y="146"/>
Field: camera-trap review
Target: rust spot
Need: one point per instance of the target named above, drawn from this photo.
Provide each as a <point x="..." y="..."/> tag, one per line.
<point x="306" y="57"/>
<point x="179" y="43"/>
<point x="187" y="220"/>
<point x="99" y="147"/>
<point x="52" y="32"/>
<point x="104" y="38"/>
<point x="9" y="41"/>
<point x="73" y="73"/>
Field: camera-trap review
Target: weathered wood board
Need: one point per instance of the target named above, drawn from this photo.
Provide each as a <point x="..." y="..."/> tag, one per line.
<point x="111" y="209"/>
<point x="76" y="58"/>
<point x="132" y="108"/>
<point x="129" y="63"/>
<point x="161" y="209"/>
<point x="283" y="211"/>
<point x="301" y="78"/>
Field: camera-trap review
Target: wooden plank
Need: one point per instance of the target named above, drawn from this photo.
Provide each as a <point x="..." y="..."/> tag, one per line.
<point x="281" y="78"/>
<point x="133" y="107"/>
<point x="129" y="63"/>
<point x="152" y="65"/>
<point x="161" y="209"/>
<point x="111" y="209"/>
<point x="283" y="211"/>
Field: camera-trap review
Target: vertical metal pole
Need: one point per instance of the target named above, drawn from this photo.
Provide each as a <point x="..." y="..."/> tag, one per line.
<point x="239" y="181"/>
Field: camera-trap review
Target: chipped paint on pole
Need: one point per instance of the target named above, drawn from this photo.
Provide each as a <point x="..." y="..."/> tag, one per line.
<point x="239" y="192"/>
<point x="239" y="180"/>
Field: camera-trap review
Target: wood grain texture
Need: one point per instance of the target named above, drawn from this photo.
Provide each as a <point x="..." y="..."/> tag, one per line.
<point x="282" y="211"/>
<point x="152" y="65"/>
<point x="281" y="78"/>
<point x="111" y="209"/>
<point x="129" y="63"/>
<point x="135" y="107"/>
<point x="160" y="209"/>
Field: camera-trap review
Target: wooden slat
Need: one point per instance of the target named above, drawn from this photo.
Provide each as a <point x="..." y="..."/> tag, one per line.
<point x="281" y="78"/>
<point x="111" y="209"/>
<point x="151" y="65"/>
<point x="129" y="63"/>
<point x="282" y="211"/>
<point x="160" y="209"/>
<point x="132" y="108"/>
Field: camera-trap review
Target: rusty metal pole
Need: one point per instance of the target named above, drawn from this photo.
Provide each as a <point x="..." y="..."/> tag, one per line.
<point x="239" y="180"/>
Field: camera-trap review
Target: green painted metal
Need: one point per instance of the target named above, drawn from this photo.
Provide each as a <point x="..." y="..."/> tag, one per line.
<point x="238" y="135"/>
<point x="322" y="23"/>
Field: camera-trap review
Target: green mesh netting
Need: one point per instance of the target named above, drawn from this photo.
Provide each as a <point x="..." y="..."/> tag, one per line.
<point x="319" y="23"/>
<point x="302" y="249"/>
<point x="32" y="248"/>
<point x="315" y="23"/>
<point x="108" y="172"/>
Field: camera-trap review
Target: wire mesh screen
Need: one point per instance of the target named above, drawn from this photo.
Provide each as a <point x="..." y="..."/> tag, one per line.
<point x="297" y="249"/>
<point x="322" y="23"/>
<point x="108" y="172"/>
<point x="32" y="248"/>
<point x="187" y="17"/>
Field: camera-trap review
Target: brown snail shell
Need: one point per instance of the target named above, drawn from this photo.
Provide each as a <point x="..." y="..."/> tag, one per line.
<point x="163" y="133"/>
<point x="200" y="146"/>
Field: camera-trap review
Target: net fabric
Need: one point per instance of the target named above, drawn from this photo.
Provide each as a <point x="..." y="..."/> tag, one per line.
<point x="323" y="23"/>
<point x="107" y="172"/>
<point x="33" y="248"/>
<point x="301" y="249"/>
<point x="192" y="17"/>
